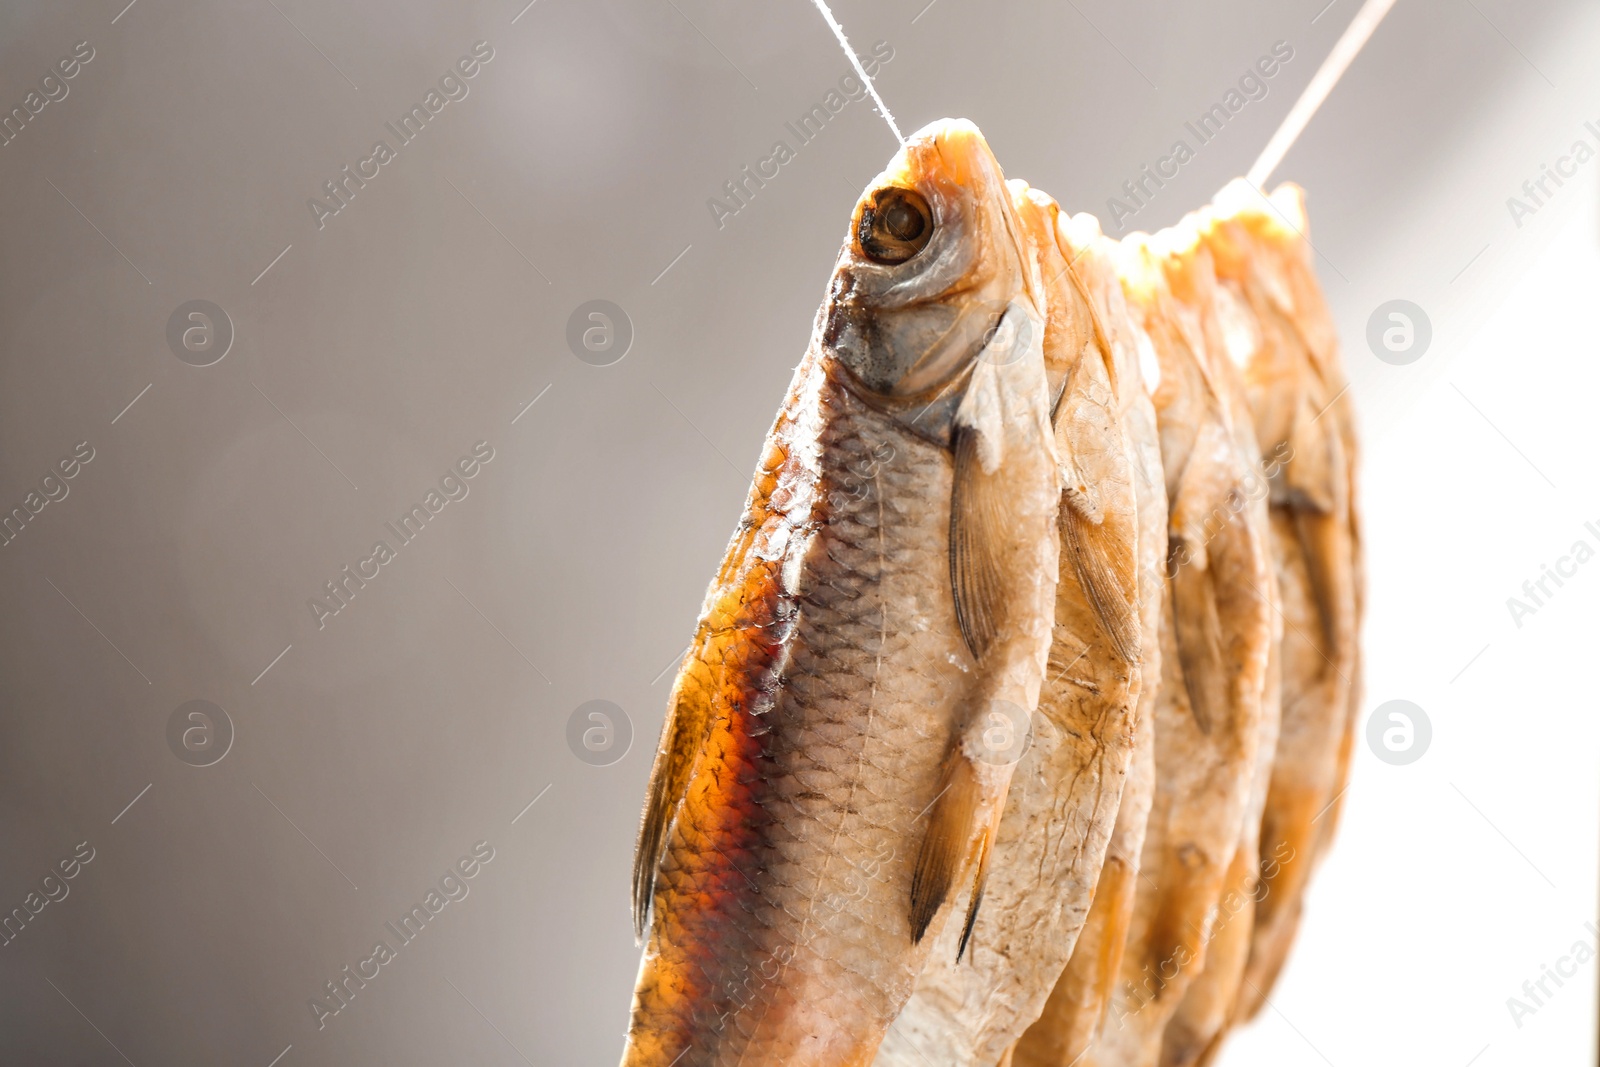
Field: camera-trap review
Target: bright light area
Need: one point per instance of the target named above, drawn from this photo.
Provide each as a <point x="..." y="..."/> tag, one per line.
<point x="1461" y="876"/>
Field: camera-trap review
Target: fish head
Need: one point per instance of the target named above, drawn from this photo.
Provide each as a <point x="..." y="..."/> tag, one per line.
<point x="1072" y="325"/>
<point x="934" y="262"/>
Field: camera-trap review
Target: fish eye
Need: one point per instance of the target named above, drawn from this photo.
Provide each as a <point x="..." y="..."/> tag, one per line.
<point x="894" y="226"/>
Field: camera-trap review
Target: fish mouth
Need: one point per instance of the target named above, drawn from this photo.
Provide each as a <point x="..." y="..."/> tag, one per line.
<point x="908" y="311"/>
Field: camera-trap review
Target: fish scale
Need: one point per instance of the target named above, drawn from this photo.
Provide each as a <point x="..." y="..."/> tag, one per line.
<point x="898" y="643"/>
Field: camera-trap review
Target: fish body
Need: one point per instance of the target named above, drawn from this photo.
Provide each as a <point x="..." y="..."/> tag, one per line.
<point x="1216" y="637"/>
<point x="1065" y="792"/>
<point x="840" y="738"/>
<point x="1206" y="1010"/>
<point x="1071" y="1014"/>
<point x="1297" y="391"/>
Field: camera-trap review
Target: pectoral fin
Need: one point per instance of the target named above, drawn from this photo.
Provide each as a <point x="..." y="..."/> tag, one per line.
<point x="978" y="532"/>
<point x="1097" y="519"/>
<point x="1104" y="567"/>
<point x="1320" y="504"/>
<point x="1199" y="632"/>
<point x="1002" y="584"/>
<point x="1313" y="475"/>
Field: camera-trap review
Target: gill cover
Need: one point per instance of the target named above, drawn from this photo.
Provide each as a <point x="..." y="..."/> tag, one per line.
<point x="927" y="274"/>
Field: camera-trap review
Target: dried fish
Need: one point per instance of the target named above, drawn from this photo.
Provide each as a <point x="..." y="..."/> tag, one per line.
<point x="1217" y="633"/>
<point x="840" y="739"/>
<point x="1020" y="709"/>
<point x="1297" y="391"/>
<point x="1065" y="793"/>
<point x="1076" y="1005"/>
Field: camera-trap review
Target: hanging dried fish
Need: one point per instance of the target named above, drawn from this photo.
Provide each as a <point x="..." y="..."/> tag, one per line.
<point x="841" y="736"/>
<point x="1077" y="1003"/>
<point x="1065" y="793"/>
<point x="1217" y="634"/>
<point x="1286" y="345"/>
<point x="979" y="735"/>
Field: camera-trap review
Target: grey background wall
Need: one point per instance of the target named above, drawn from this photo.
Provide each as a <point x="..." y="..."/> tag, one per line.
<point x="373" y="349"/>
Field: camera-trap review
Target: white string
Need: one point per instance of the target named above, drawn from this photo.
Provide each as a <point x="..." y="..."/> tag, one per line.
<point x="838" y="31"/>
<point x="1344" y="52"/>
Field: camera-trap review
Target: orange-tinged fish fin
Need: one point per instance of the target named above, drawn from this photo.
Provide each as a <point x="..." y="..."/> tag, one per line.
<point x="979" y="531"/>
<point x="1206" y="520"/>
<point x="1199" y="630"/>
<point x="1095" y="553"/>
<point x="714" y="666"/>
<point x="947" y="844"/>
<point x="1097" y="483"/>
<point x="688" y="715"/>
<point x="980" y="876"/>
<point x="1095" y="473"/>
<point x="1313" y="477"/>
